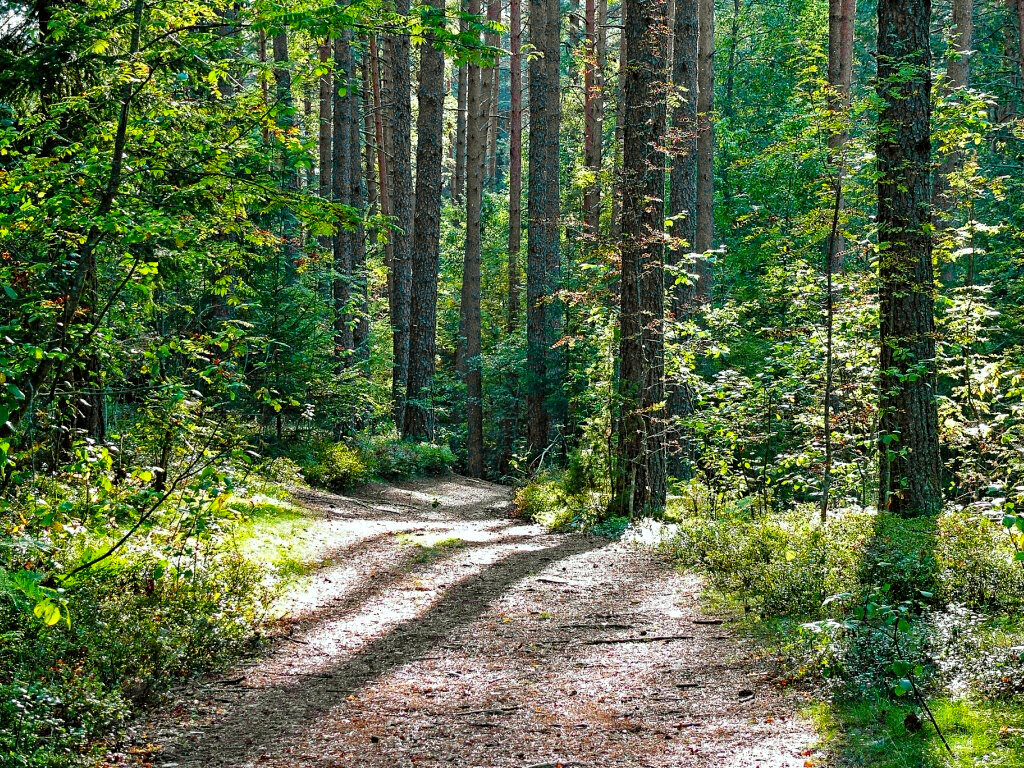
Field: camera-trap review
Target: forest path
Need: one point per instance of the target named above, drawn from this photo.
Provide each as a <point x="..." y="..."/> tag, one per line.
<point x="440" y="632"/>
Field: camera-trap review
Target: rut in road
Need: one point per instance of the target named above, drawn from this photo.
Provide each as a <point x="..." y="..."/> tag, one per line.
<point x="507" y="646"/>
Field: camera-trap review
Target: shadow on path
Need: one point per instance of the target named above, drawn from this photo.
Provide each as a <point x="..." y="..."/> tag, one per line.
<point x="267" y="720"/>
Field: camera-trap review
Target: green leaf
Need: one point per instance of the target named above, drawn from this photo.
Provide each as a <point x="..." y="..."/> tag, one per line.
<point x="47" y="611"/>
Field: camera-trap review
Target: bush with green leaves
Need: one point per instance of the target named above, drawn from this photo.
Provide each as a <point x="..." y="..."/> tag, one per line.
<point x="343" y="466"/>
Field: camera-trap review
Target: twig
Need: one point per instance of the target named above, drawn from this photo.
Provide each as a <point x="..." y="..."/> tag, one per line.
<point x="655" y="639"/>
<point x="492" y="711"/>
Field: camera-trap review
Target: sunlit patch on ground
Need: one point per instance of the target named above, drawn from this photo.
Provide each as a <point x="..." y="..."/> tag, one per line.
<point x="435" y="631"/>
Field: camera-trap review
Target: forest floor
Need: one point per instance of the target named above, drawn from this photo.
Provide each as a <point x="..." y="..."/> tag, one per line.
<point x="439" y="631"/>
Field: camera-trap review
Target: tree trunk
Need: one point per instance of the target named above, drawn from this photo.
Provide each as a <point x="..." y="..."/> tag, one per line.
<point x="285" y="120"/>
<point x="616" y="224"/>
<point x="1020" y="43"/>
<point x="682" y="209"/>
<point x="417" y="423"/>
<point x="459" y="188"/>
<point x="469" y="360"/>
<point x="359" y="290"/>
<point x="909" y="464"/>
<point x="591" y="126"/>
<point x="515" y="161"/>
<point x="640" y="477"/>
<point x="543" y="257"/>
<point x="683" y="197"/>
<point x="493" y="10"/>
<point x="401" y="209"/>
<point x="325" y="124"/>
<point x="705" y="234"/>
<point x="841" y="25"/>
<point x="341" y="188"/>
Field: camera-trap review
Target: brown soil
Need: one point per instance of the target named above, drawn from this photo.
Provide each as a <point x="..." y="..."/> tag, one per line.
<point x="510" y="648"/>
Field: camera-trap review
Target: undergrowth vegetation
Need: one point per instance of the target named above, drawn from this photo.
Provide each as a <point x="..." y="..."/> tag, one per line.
<point x="115" y="586"/>
<point x="889" y="621"/>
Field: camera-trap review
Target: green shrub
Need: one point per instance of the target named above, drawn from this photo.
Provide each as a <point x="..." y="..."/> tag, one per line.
<point x="134" y="631"/>
<point x="339" y="468"/>
<point x="390" y="458"/>
<point x="546" y="500"/>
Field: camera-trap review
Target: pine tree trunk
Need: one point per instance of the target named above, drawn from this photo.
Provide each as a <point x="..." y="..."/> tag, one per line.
<point x="909" y="463"/>
<point x="640" y="477"/>
<point x="401" y="208"/>
<point x="493" y="10"/>
<point x="591" y="126"/>
<point x="682" y="209"/>
<point x="359" y="290"/>
<point x="289" y="170"/>
<point x="705" y="234"/>
<point x="1020" y="43"/>
<point x="515" y="161"/>
<point x="462" y="103"/>
<point x="616" y="224"/>
<point x="325" y="125"/>
<point x="341" y="190"/>
<point x="417" y="423"/>
<point x="543" y="257"/>
<point x="683" y="196"/>
<point x="841" y="25"/>
<point x="469" y="353"/>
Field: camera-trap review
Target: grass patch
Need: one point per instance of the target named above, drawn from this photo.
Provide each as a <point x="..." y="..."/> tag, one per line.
<point x="277" y="534"/>
<point x="427" y="549"/>
<point x="873" y="733"/>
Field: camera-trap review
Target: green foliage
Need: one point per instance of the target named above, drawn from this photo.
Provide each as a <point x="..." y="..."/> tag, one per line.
<point x="342" y="466"/>
<point x="338" y="468"/>
<point x="559" y="502"/>
<point x="876" y="732"/>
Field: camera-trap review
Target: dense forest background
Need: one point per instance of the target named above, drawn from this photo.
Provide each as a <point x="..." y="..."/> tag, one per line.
<point x="753" y="268"/>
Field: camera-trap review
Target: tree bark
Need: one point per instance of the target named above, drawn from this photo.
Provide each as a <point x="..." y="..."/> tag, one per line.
<point x="462" y="102"/>
<point x="341" y="190"/>
<point x="705" y="234"/>
<point x="591" y="126"/>
<point x="417" y="423"/>
<point x="640" y="478"/>
<point x="493" y="127"/>
<point x="325" y="124"/>
<point x="683" y="195"/>
<point x="515" y="161"/>
<point x="543" y="257"/>
<point x="400" y="121"/>
<point x="841" y="25"/>
<point x="285" y="119"/>
<point x="909" y="463"/>
<point x="616" y="224"/>
<point x="469" y="352"/>
<point x="682" y="210"/>
<point x="359" y="290"/>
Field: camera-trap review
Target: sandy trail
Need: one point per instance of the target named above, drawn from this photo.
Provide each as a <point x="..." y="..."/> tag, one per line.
<point x="507" y="647"/>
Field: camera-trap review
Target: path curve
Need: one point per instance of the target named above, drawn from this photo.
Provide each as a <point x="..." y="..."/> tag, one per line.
<point x="507" y="647"/>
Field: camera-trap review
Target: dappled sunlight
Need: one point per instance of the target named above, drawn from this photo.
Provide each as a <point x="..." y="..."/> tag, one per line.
<point x="475" y="639"/>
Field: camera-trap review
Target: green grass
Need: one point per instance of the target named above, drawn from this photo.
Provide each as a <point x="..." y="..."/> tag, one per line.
<point x="276" y="533"/>
<point x="428" y="548"/>
<point x="871" y="733"/>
